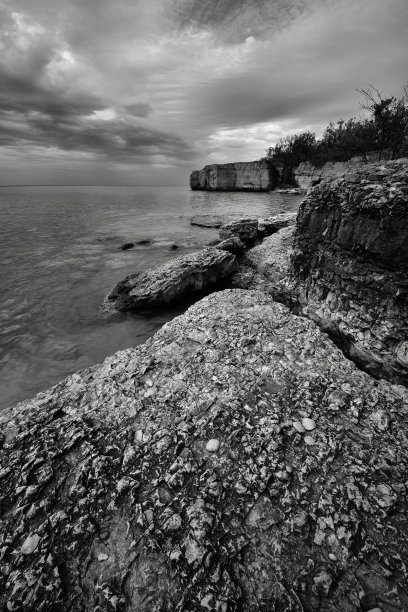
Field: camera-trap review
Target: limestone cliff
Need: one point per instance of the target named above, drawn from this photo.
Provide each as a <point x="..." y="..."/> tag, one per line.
<point x="240" y="176"/>
<point x="348" y="267"/>
<point x="305" y="174"/>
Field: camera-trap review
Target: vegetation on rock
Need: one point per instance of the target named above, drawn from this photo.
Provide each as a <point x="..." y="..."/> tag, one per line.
<point x="383" y="133"/>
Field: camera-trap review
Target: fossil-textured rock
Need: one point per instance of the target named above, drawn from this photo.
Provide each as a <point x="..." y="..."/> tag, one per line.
<point x="173" y="281"/>
<point x="175" y="476"/>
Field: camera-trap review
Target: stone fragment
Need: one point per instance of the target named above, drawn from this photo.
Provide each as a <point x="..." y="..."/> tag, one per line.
<point x="308" y="424"/>
<point x="212" y="445"/>
<point x="298" y="426"/>
<point x="30" y="544"/>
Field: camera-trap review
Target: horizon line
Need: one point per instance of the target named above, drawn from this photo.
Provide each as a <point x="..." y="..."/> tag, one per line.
<point x="88" y="185"/>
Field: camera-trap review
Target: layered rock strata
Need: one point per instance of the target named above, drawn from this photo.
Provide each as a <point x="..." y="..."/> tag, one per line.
<point x="171" y="282"/>
<point x="235" y="461"/>
<point x="306" y="174"/>
<point x="348" y="268"/>
<point x="350" y="263"/>
<point x="240" y="176"/>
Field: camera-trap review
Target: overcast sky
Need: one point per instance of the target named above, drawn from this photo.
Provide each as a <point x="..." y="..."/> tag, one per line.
<point x="144" y="91"/>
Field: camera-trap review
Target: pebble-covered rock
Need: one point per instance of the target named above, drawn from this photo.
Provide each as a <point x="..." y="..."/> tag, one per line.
<point x="109" y="471"/>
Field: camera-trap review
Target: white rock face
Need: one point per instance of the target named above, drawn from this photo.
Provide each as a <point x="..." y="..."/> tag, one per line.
<point x="240" y="176"/>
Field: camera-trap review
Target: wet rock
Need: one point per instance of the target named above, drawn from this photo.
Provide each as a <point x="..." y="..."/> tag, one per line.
<point x="126" y="246"/>
<point x="144" y="242"/>
<point x="173" y="281"/>
<point x="269" y="523"/>
<point x="206" y="221"/>
<point x="173" y="247"/>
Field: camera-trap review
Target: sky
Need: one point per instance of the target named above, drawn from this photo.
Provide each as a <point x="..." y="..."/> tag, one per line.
<point x="114" y="92"/>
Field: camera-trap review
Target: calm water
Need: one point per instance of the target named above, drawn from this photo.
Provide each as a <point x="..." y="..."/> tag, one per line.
<point x="60" y="256"/>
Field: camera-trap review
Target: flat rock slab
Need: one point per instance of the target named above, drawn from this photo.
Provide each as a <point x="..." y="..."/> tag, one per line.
<point x="206" y="221"/>
<point x="180" y="475"/>
<point x="173" y="281"/>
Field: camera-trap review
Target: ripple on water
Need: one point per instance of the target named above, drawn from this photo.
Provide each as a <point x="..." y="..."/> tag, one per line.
<point x="60" y="257"/>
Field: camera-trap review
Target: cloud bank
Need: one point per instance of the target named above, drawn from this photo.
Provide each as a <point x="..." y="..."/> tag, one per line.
<point x="141" y="91"/>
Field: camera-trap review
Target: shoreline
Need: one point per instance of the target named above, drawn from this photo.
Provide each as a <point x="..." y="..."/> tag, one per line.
<point x="235" y="457"/>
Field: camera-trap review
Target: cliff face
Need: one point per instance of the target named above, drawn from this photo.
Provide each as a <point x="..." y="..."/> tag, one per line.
<point x="241" y="176"/>
<point x="305" y="174"/>
<point x="348" y="267"/>
<point x="351" y="261"/>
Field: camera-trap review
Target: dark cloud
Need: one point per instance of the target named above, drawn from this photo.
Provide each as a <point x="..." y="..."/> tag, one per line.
<point x="25" y="94"/>
<point x="139" y="109"/>
<point x="235" y="20"/>
<point x="113" y="139"/>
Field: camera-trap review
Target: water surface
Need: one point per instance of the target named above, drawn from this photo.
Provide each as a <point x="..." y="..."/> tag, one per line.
<point x="60" y="256"/>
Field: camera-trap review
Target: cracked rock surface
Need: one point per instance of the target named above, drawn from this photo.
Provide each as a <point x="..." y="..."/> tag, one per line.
<point x="173" y="281"/>
<point x="350" y="262"/>
<point x="235" y="461"/>
<point x="345" y="266"/>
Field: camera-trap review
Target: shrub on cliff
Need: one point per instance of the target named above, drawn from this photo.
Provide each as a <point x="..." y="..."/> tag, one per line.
<point x="384" y="132"/>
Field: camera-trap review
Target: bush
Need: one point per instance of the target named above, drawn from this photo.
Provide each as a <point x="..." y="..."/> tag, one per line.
<point x="384" y="132"/>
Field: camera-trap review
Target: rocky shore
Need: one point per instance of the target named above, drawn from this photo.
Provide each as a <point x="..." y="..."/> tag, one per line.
<point x="238" y="460"/>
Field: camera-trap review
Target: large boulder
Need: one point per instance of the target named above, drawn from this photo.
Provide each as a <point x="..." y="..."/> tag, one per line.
<point x="171" y="282"/>
<point x="235" y="461"/>
<point x="350" y="263"/>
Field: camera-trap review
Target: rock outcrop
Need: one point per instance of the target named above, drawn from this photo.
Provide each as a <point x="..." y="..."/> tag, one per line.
<point x="240" y="176"/>
<point x="306" y="174"/>
<point x="173" y="281"/>
<point x="348" y="270"/>
<point x="351" y="262"/>
<point x="252" y="230"/>
<point x="235" y="461"/>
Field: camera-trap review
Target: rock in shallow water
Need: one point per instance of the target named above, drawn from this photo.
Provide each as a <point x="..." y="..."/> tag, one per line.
<point x="270" y="523"/>
<point x="173" y="281"/>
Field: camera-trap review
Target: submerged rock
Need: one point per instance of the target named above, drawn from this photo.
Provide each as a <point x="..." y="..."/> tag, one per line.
<point x="206" y="221"/>
<point x="126" y="246"/>
<point x="173" y="281"/>
<point x="109" y="471"/>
